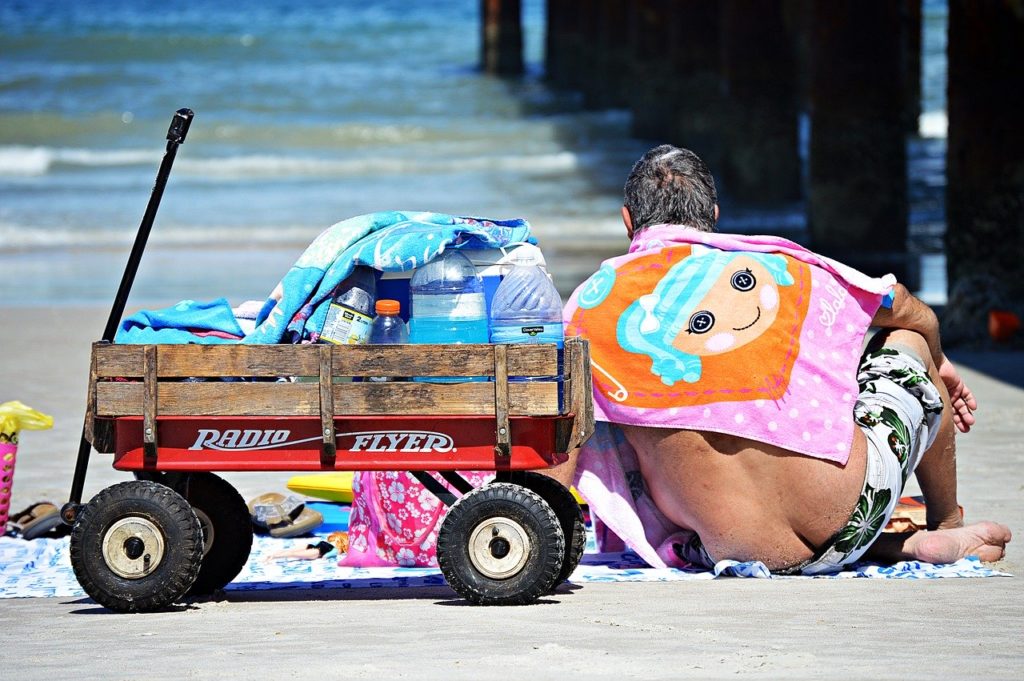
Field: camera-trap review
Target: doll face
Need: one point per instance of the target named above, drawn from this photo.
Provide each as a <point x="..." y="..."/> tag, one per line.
<point x="741" y="305"/>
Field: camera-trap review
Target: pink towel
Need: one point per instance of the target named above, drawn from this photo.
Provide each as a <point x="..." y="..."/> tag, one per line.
<point x="608" y="477"/>
<point x="751" y="336"/>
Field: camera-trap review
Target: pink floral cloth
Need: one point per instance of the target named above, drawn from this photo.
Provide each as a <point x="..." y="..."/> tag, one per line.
<point x="394" y="519"/>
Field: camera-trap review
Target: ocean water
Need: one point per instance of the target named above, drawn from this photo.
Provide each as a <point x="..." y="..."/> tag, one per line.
<point x="306" y="114"/>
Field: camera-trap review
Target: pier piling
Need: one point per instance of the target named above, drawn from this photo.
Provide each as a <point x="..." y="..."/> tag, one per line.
<point x="501" y="37"/>
<point x="857" y="193"/>
<point x="985" y="152"/>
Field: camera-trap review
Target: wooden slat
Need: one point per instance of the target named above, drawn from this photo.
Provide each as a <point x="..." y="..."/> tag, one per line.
<point x="503" y="433"/>
<point x="212" y="399"/>
<point x="118" y="360"/>
<point x="411" y="398"/>
<point x="441" y="360"/>
<point x="208" y="361"/>
<point x="179" y="361"/>
<point x="150" y="403"/>
<point x="266" y="361"/>
<point x="580" y="395"/>
<point x="89" y="432"/>
<point x="218" y="398"/>
<point x="328" y="450"/>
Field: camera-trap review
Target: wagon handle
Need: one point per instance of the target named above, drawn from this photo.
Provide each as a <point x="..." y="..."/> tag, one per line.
<point x="175" y="136"/>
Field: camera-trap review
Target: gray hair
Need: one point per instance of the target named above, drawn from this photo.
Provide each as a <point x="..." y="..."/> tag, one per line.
<point x="670" y="185"/>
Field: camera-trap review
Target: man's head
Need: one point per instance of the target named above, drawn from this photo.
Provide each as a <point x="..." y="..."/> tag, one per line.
<point x="669" y="185"/>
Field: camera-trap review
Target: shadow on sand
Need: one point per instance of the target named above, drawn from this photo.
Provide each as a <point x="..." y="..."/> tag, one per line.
<point x="299" y="593"/>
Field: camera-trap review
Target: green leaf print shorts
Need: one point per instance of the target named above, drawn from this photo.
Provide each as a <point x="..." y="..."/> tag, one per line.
<point x="898" y="410"/>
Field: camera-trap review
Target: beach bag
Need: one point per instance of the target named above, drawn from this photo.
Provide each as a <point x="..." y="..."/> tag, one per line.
<point x="14" y="416"/>
<point x="394" y="519"/>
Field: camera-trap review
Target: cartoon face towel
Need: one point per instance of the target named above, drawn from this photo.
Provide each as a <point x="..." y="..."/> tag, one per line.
<point x="753" y="336"/>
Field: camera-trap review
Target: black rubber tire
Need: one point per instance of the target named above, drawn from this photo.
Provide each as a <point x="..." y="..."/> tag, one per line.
<point x="158" y="521"/>
<point x="522" y="516"/>
<point x="569" y="513"/>
<point x="227" y="530"/>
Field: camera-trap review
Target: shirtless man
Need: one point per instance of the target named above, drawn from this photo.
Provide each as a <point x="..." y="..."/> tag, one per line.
<point x="749" y="500"/>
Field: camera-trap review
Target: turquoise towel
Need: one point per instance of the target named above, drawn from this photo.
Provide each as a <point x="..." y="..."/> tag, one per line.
<point x="389" y="241"/>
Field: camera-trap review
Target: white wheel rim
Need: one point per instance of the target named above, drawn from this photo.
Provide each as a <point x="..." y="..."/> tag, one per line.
<point x="499" y="547"/>
<point x="133" y="548"/>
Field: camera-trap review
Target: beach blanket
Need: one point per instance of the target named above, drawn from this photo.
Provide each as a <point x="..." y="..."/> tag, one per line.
<point x="389" y="241"/>
<point x="751" y="336"/>
<point x="41" y="568"/>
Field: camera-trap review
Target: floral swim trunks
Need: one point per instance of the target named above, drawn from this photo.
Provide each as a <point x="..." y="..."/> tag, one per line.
<point x="898" y="410"/>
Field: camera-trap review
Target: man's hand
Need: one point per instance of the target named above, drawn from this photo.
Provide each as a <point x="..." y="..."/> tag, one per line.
<point x="960" y="396"/>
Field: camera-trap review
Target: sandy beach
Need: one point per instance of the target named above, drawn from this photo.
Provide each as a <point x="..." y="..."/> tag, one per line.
<point x="800" y="629"/>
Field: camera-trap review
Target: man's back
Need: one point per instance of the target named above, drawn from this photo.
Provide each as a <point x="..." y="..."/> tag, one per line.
<point x="742" y="497"/>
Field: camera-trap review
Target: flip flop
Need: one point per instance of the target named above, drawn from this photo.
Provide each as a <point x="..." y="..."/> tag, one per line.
<point x="283" y="516"/>
<point x="34" y="521"/>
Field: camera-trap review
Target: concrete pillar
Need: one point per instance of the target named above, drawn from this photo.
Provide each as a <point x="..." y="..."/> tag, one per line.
<point x="798" y="19"/>
<point x="553" y="29"/>
<point x="561" y="44"/>
<point x="857" y="194"/>
<point x="761" y="159"/>
<point x="912" y="63"/>
<point x="696" y="99"/>
<point x="985" y="159"/>
<point x="501" y="37"/>
<point x="653" y="74"/>
<point x="606" y="53"/>
<point x="592" y="52"/>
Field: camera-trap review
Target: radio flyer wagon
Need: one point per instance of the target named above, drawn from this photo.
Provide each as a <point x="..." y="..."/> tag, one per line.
<point x="179" y="529"/>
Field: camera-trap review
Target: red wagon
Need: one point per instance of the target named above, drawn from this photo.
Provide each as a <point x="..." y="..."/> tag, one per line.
<point x="176" y="414"/>
<point x="181" y="529"/>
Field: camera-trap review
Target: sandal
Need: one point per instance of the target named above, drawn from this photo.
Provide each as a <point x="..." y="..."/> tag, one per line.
<point x="283" y="516"/>
<point x="34" y="521"/>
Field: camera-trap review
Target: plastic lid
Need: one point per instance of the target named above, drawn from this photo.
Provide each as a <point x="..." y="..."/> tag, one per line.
<point x="387" y="306"/>
<point x="451" y="272"/>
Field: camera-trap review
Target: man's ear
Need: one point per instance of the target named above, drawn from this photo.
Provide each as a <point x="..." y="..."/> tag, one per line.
<point x="716" y="213"/>
<point x="627" y="220"/>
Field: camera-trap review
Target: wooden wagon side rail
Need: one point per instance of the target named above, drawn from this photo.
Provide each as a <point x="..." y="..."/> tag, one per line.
<point x="315" y="380"/>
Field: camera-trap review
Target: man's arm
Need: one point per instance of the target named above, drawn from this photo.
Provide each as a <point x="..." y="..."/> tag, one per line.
<point x="908" y="312"/>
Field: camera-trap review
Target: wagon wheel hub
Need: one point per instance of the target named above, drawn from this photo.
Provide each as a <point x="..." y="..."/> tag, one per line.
<point x="499" y="548"/>
<point x="133" y="548"/>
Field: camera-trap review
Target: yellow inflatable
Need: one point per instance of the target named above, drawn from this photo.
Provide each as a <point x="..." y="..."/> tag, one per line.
<point x="329" y="486"/>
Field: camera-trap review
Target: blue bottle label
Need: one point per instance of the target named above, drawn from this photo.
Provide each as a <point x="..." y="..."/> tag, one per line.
<point x="528" y="333"/>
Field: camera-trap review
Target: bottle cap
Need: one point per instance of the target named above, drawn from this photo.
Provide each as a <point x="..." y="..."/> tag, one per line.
<point x="387" y="306"/>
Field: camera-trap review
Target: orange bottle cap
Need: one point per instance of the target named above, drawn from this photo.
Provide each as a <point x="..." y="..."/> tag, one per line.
<point x="386" y="306"/>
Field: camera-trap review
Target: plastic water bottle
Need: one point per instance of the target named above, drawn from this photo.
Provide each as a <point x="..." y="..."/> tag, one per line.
<point x="448" y="305"/>
<point x="388" y="328"/>
<point x="351" y="311"/>
<point x="526" y="308"/>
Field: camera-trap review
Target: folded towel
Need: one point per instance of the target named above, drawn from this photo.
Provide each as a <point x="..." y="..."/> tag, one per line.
<point x="188" y="321"/>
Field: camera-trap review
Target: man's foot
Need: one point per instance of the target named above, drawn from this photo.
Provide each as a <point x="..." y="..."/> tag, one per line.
<point x="986" y="540"/>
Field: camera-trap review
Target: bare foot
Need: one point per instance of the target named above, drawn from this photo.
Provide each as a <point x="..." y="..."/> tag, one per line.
<point x="986" y="540"/>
